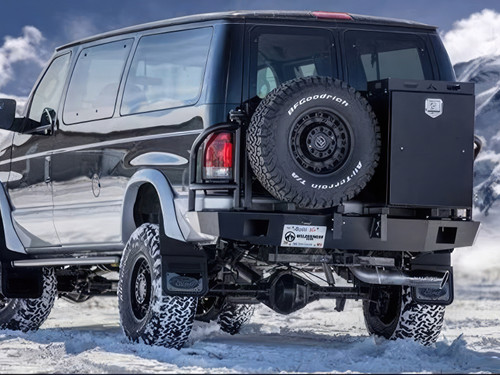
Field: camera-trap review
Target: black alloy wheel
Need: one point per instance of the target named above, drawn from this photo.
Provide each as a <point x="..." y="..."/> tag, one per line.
<point x="140" y="288"/>
<point x="146" y="313"/>
<point x="320" y="141"/>
<point x="392" y="313"/>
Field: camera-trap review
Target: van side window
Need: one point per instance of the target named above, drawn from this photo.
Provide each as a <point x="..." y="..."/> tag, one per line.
<point x="94" y="84"/>
<point x="167" y="71"/>
<point x="48" y="92"/>
<point x="372" y="56"/>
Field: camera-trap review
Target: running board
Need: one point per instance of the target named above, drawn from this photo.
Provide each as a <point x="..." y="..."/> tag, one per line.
<point x="52" y="262"/>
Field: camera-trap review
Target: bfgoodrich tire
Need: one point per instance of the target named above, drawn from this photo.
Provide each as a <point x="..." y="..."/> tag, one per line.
<point x="314" y="142"/>
<point x="233" y="316"/>
<point x="230" y="317"/>
<point x="145" y="313"/>
<point x="393" y="314"/>
<point x="28" y="314"/>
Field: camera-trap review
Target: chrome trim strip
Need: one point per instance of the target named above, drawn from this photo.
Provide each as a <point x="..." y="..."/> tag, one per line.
<point x="65" y="262"/>
<point x="64" y="249"/>
<point x="91" y="205"/>
<point x="158" y="158"/>
<point x="102" y="144"/>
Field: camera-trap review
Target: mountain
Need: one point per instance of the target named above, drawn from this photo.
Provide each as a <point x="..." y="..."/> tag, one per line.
<point x="485" y="73"/>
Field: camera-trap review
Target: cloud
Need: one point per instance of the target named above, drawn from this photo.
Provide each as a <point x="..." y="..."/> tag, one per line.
<point x="473" y="37"/>
<point x="24" y="48"/>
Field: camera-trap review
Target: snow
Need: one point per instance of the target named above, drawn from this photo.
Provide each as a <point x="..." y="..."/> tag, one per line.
<point x="87" y="338"/>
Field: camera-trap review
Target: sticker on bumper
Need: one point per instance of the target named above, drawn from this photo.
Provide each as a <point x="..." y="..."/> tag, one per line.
<point x="303" y="236"/>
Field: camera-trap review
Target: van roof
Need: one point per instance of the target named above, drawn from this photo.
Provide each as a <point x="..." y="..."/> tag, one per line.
<point x="258" y="14"/>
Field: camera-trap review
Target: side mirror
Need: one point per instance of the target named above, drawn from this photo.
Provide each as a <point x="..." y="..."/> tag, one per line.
<point x="7" y="113"/>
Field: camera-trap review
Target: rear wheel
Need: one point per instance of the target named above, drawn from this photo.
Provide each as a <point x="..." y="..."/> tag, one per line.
<point x="145" y="313"/>
<point x="209" y="308"/>
<point x="232" y="317"/>
<point x="28" y="314"/>
<point x="392" y="313"/>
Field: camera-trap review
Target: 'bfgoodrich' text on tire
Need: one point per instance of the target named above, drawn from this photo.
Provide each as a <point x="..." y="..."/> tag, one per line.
<point x="314" y="142"/>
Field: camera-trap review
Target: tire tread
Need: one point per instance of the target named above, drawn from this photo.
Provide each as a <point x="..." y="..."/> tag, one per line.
<point x="171" y="317"/>
<point x="262" y="155"/>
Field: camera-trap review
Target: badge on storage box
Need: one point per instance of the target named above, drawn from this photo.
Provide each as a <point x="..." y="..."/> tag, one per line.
<point x="433" y="107"/>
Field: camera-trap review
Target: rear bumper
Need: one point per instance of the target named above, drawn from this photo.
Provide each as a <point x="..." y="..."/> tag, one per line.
<point x="370" y="232"/>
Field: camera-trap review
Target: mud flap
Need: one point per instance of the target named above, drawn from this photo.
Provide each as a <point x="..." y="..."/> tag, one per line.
<point x="184" y="268"/>
<point x="21" y="282"/>
<point x="439" y="261"/>
<point x="431" y="296"/>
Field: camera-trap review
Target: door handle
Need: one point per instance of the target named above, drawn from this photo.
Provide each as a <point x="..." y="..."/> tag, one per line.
<point x="47" y="169"/>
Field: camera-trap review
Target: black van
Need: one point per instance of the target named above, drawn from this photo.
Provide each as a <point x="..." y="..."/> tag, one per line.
<point x="222" y="160"/>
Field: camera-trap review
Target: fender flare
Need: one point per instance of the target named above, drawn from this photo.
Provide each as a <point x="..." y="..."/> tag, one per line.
<point x="166" y="195"/>
<point x="12" y="241"/>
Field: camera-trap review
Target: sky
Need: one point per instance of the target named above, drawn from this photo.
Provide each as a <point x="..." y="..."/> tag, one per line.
<point x="31" y="29"/>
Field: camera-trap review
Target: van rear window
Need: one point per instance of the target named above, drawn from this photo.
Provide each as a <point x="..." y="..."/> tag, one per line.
<point x="280" y="54"/>
<point x="372" y="56"/>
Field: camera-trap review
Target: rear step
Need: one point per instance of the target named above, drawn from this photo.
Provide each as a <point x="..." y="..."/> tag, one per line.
<point x="90" y="261"/>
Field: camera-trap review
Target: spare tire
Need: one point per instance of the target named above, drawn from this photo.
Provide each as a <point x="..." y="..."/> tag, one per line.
<point x="314" y="142"/>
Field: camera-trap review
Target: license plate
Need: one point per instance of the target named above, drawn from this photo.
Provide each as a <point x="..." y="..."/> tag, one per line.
<point x="303" y="236"/>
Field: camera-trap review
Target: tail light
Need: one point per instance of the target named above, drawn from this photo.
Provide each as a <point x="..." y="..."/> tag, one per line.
<point x="218" y="162"/>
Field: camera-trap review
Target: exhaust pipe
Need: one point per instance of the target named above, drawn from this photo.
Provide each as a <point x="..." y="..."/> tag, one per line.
<point x="434" y="280"/>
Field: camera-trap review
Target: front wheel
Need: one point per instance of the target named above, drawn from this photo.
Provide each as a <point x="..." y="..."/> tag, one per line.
<point x="392" y="313"/>
<point x="145" y="313"/>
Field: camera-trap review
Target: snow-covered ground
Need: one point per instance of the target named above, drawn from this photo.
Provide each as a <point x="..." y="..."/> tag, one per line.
<point x="87" y="338"/>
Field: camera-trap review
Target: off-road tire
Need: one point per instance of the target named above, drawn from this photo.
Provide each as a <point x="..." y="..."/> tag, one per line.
<point x="145" y="313"/>
<point x="314" y="142"/>
<point x="405" y="318"/>
<point x="208" y="308"/>
<point x="232" y="317"/>
<point x="28" y="314"/>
